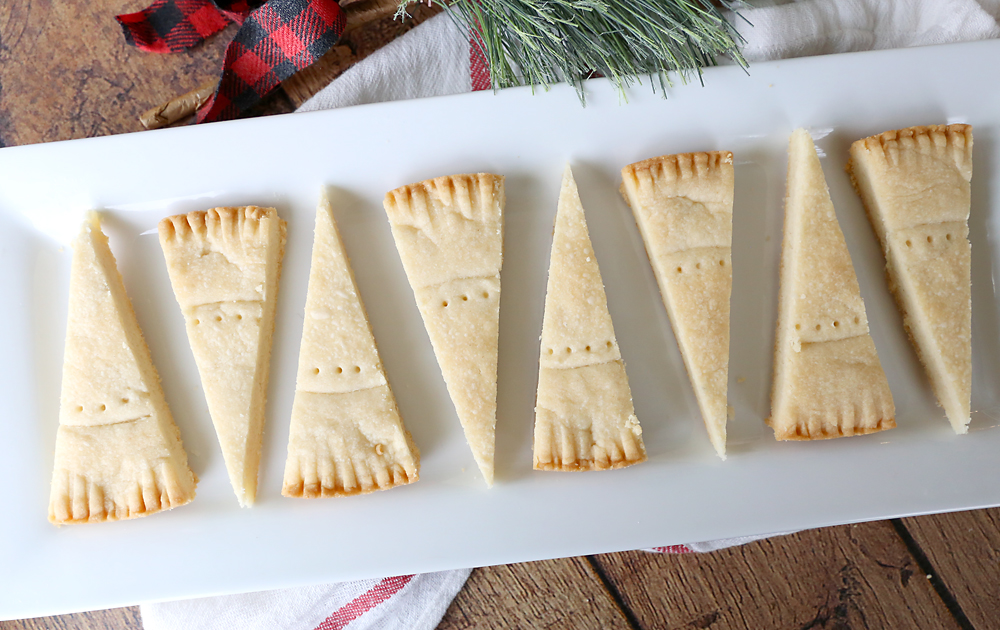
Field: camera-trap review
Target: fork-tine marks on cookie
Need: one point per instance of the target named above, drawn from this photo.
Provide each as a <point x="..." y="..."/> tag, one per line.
<point x="224" y="266"/>
<point x="915" y="185"/>
<point x="683" y="205"/>
<point x="828" y="380"/>
<point x="584" y="418"/>
<point x="118" y="452"/>
<point x="449" y="234"/>
<point x="346" y="435"/>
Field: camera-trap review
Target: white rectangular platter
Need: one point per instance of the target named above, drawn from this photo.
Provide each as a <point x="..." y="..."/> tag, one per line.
<point x="449" y="518"/>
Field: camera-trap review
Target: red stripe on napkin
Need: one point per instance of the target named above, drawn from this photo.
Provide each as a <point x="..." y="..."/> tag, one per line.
<point x="364" y="602"/>
<point x="672" y="549"/>
<point x="479" y="69"/>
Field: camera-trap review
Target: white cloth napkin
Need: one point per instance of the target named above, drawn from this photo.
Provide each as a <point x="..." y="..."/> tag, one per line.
<point x="436" y="59"/>
<point x="819" y="27"/>
<point x="414" y="602"/>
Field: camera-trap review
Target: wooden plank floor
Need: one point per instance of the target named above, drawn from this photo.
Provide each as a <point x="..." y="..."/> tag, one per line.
<point x="65" y="73"/>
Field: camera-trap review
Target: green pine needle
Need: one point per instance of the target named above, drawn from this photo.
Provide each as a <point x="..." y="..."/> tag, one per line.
<point x="542" y="42"/>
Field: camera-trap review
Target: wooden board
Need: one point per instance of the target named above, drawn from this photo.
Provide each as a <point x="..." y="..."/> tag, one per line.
<point x="112" y="619"/>
<point x="66" y="71"/>
<point x="563" y="593"/>
<point x="963" y="551"/>
<point x="855" y="576"/>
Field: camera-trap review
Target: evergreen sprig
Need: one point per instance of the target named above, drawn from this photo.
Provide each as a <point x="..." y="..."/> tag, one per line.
<point x="541" y="42"/>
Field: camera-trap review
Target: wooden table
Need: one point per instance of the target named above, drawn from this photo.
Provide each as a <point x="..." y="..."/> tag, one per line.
<point x="929" y="572"/>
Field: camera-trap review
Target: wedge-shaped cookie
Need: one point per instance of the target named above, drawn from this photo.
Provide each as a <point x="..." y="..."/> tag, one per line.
<point x="915" y="186"/>
<point x="683" y="205"/>
<point x="118" y="451"/>
<point x="449" y="233"/>
<point x="828" y="381"/>
<point x="584" y="419"/>
<point x="346" y="436"/>
<point x="224" y="265"/>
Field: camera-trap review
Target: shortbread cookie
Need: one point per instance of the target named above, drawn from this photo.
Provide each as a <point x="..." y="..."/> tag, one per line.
<point x="346" y="436"/>
<point x="828" y="381"/>
<point x="915" y="186"/>
<point x="449" y="233"/>
<point x="118" y="452"/>
<point x="224" y="265"/>
<point x="584" y="419"/>
<point x="683" y="205"/>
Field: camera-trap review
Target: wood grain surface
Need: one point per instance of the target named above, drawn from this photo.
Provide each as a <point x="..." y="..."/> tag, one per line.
<point x="112" y="619"/>
<point x="962" y="549"/>
<point x="857" y="576"/>
<point x="65" y="72"/>
<point x="564" y="593"/>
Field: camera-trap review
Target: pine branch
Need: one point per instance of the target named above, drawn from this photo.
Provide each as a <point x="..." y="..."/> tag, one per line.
<point x="541" y="42"/>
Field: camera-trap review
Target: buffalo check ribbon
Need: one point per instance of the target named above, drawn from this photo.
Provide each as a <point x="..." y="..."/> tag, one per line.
<point x="276" y="39"/>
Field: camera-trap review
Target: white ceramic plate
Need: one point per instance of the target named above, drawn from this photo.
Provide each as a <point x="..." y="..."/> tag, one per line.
<point x="449" y="519"/>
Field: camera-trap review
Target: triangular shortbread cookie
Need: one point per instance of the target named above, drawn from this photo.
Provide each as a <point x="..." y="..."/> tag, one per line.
<point x="683" y="205"/>
<point x="584" y="419"/>
<point x="118" y="451"/>
<point x="346" y="436"/>
<point x="224" y="265"/>
<point x="449" y="233"/>
<point x="915" y="185"/>
<point x="828" y="381"/>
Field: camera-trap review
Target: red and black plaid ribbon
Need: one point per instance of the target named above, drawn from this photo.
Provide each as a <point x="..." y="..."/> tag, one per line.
<point x="277" y="39"/>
